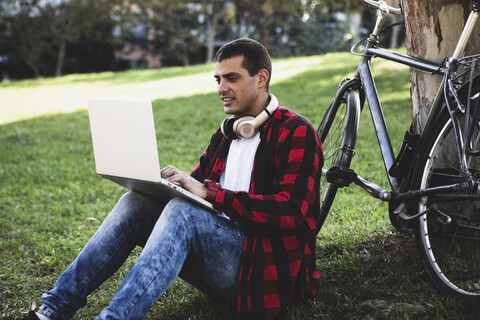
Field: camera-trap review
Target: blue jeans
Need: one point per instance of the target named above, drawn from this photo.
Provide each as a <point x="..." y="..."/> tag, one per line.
<point x="179" y="239"/>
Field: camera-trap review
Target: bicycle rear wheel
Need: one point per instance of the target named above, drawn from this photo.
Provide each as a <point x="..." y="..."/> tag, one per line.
<point x="450" y="251"/>
<point x="338" y="133"/>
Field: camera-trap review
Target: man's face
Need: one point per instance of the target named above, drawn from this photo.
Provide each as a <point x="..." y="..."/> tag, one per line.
<point x="240" y="92"/>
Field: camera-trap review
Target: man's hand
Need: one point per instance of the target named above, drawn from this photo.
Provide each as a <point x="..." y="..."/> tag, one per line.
<point x="186" y="181"/>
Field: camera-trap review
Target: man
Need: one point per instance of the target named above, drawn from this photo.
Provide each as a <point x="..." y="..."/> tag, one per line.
<point x="259" y="253"/>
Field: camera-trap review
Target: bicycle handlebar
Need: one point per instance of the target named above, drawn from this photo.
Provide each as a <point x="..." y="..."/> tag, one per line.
<point x="382" y="5"/>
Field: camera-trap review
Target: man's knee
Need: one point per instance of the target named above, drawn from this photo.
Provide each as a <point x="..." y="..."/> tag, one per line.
<point x="133" y="203"/>
<point x="133" y="199"/>
<point x="179" y="206"/>
<point x="134" y="213"/>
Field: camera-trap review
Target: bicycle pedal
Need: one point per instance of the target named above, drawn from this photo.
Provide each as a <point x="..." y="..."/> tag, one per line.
<point x="341" y="177"/>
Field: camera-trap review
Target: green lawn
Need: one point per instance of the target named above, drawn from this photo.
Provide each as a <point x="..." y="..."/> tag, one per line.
<point x="51" y="200"/>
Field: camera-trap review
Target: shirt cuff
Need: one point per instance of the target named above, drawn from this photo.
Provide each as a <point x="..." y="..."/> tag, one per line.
<point x="212" y="189"/>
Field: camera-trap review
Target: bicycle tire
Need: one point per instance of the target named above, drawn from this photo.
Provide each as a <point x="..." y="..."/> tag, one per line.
<point x="450" y="252"/>
<point x="338" y="133"/>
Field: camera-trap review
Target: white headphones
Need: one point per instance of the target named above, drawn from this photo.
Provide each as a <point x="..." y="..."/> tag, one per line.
<point x="247" y="126"/>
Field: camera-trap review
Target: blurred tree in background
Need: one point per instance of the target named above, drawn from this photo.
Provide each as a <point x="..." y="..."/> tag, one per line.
<point x="55" y="37"/>
<point x="52" y="37"/>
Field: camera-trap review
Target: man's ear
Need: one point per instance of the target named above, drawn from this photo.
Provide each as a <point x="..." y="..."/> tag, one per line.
<point x="263" y="76"/>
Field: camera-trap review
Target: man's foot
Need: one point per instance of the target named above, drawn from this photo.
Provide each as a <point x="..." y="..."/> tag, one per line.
<point x="30" y="316"/>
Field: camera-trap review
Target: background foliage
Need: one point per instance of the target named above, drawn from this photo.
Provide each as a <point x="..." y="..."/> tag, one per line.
<point x="55" y="37"/>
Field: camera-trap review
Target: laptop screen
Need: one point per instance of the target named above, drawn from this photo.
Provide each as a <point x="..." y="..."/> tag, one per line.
<point x="124" y="139"/>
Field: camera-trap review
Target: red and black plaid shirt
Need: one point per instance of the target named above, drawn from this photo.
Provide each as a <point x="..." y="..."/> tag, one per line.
<point x="280" y="213"/>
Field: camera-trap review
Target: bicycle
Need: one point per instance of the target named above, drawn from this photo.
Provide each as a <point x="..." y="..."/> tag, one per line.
<point x="435" y="177"/>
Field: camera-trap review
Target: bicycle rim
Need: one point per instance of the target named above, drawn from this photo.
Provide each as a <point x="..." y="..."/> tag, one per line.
<point x="450" y="251"/>
<point x="336" y="124"/>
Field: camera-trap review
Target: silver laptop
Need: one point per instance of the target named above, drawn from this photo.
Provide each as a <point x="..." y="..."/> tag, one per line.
<point x="125" y="149"/>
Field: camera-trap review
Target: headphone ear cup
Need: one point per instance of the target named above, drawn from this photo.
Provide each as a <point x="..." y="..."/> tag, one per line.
<point x="227" y="128"/>
<point x="244" y="127"/>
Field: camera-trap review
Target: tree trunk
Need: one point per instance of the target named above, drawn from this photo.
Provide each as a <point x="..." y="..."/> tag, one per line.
<point x="212" y="31"/>
<point x="268" y="11"/>
<point x="432" y="30"/>
<point x="210" y="41"/>
<point x="34" y="67"/>
<point x="60" y="57"/>
<point x="213" y="14"/>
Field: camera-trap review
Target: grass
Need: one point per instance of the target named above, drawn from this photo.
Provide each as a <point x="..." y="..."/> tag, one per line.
<point x="51" y="200"/>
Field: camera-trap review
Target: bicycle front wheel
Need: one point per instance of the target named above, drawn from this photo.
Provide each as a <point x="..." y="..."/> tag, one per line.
<point x="338" y="133"/>
<point x="448" y="234"/>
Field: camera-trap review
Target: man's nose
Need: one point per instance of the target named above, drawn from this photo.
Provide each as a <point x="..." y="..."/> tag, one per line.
<point x="222" y="87"/>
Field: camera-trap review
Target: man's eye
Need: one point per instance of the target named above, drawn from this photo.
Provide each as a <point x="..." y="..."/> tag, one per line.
<point x="232" y="79"/>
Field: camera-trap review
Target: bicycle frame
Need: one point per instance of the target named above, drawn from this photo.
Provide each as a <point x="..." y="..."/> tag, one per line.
<point x="364" y="81"/>
<point x="435" y="191"/>
<point x="364" y="74"/>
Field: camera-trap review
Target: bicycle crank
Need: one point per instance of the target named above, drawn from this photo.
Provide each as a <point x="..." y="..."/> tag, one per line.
<point x="343" y="177"/>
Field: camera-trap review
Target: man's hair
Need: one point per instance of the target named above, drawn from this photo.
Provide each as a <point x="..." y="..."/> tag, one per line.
<point x="255" y="55"/>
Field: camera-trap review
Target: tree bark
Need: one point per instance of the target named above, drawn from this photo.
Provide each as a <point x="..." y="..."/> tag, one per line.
<point x="432" y="30"/>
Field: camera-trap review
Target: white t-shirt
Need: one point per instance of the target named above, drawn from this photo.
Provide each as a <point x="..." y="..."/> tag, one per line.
<point x="239" y="164"/>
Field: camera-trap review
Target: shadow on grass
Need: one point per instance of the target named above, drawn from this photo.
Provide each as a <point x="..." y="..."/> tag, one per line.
<point x="379" y="278"/>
